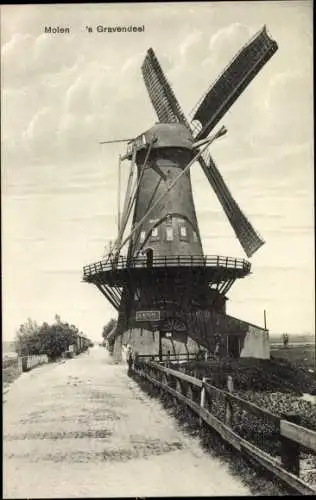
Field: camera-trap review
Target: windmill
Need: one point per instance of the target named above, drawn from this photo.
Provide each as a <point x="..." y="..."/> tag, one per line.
<point x="165" y="283"/>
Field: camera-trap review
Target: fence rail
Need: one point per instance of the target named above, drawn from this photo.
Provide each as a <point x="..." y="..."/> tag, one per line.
<point x="175" y="358"/>
<point x="198" y="395"/>
<point x="167" y="261"/>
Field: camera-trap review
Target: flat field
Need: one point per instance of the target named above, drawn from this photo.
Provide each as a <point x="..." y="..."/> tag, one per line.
<point x="299" y="355"/>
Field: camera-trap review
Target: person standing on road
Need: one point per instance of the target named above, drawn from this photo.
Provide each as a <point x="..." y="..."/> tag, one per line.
<point x="216" y="352"/>
<point x="128" y="353"/>
<point x="129" y="358"/>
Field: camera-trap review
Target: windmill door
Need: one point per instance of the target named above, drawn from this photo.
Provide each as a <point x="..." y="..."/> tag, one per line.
<point x="233" y="346"/>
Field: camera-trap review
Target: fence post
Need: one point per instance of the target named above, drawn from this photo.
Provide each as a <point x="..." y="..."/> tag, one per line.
<point x="203" y="398"/>
<point x="164" y="381"/>
<point x="203" y="393"/>
<point x="178" y="386"/>
<point x="189" y="392"/>
<point x="290" y="451"/>
<point x="228" y="405"/>
<point x="178" y="389"/>
<point x="168" y="359"/>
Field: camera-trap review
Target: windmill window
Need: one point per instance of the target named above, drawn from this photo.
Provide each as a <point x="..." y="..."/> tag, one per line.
<point x="183" y="233"/>
<point x="154" y="234"/>
<point x="169" y="233"/>
<point x="195" y="238"/>
<point x="169" y="220"/>
<point x="142" y="236"/>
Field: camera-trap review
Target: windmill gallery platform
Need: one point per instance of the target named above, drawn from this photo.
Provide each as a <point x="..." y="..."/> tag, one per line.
<point x="219" y="272"/>
<point x="169" y="295"/>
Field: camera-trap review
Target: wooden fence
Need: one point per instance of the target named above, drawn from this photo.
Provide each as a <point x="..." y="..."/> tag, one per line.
<point x="199" y="394"/>
<point x="175" y="358"/>
<point x="24" y="363"/>
<point x="29" y="362"/>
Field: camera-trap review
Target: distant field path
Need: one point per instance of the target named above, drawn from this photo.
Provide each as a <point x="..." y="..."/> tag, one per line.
<point x="83" y="428"/>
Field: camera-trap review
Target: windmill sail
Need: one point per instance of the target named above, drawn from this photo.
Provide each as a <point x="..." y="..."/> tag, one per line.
<point x="160" y="92"/>
<point x="236" y="77"/>
<point x="248" y="237"/>
<point x="168" y="110"/>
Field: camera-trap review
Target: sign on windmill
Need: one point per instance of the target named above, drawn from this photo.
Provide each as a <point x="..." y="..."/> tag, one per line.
<point x="151" y="316"/>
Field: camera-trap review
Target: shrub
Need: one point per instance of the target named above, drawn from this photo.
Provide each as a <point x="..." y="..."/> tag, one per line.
<point x="52" y="340"/>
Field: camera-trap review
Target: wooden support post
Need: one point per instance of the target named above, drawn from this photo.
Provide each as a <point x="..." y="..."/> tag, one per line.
<point x="290" y="450"/>
<point x="228" y="405"/>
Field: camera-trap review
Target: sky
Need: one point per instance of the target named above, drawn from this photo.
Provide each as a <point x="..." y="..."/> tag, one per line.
<point x="61" y="94"/>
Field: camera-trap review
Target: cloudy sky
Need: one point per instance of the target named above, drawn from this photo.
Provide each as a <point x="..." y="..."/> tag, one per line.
<point x="61" y="94"/>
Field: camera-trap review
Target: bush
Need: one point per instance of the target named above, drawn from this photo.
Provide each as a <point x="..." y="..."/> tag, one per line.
<point x="52" y="340"/>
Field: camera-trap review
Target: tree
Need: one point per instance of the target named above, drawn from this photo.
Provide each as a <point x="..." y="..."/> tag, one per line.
<point x="27" y="338"/>
<point x="52" y="340"/>
<point x="108" y="328"/>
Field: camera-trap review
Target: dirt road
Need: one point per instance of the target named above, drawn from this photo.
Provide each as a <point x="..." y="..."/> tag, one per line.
<point x="83" y="428"/>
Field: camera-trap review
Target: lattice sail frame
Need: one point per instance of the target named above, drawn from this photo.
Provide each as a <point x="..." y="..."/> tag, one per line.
<point x="221" y="95"/>
<point x="160" y="92"/>
<point x="227" y="89"/>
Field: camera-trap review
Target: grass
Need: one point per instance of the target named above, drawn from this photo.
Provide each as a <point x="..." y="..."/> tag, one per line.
<point x="270" y="375"/>
<point x="10" y="371"/>
<point x="299" y="355"/>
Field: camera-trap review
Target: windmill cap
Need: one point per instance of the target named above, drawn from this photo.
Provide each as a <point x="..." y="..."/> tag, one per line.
<point x="167" y="135"/>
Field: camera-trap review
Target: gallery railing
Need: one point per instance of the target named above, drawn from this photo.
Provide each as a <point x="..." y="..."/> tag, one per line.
<point x="121" y="263"/>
